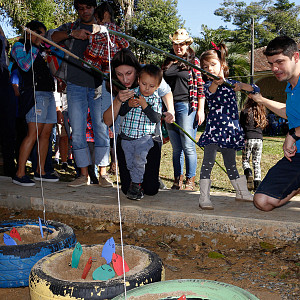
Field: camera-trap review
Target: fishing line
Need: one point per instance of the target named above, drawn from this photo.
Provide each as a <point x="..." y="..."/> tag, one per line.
<point x="37" y="131"/>
<point x="109" y="42"/>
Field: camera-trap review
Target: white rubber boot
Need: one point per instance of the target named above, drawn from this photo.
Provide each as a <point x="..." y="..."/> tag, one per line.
<point x="204" y="200"/>
<point x="240" y="186"/>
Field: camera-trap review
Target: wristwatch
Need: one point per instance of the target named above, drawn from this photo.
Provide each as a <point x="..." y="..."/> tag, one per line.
<point x="292" y="133"/>
<point x="69" y="33"/>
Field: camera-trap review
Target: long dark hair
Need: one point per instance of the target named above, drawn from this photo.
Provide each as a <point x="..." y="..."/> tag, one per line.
<point x="124" y="57"/>
<point x="258" y="112"/>
<point x="189" y="56"/>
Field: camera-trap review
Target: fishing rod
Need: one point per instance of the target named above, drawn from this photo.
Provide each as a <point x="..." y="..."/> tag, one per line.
<point x="116" y="83"/>
<point x="119" y="85"/>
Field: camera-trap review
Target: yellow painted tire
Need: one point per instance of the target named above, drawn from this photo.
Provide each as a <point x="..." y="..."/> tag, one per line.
<point x="44" y="286"/>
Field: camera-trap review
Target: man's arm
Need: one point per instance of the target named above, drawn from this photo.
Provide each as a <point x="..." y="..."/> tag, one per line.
<point x="277" y="107"/>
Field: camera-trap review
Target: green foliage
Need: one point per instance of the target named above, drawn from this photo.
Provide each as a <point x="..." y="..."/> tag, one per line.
<point x="153" y="22"/>
<point x="51" y="12"/>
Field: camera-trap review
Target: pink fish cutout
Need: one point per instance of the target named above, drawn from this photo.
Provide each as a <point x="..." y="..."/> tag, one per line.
<point x="15" y="234"/>
<point x="183" y="297"/>
<point x="117" y="262"/>
<point x="108" y="250"/>
<point x="8" y="241"/>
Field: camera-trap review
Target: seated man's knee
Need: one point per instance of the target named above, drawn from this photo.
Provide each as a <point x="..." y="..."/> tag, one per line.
<point x="261" y="202"/>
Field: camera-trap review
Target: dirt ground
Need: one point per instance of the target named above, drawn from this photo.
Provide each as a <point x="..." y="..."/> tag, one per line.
<point x="268" y="269"/>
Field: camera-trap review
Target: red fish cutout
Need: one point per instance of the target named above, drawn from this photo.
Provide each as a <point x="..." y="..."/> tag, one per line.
<point x="87" y="268"/>
<point x="117" y="262"/>
<point x="183" y="297"/>
<point x="15" y="234"/>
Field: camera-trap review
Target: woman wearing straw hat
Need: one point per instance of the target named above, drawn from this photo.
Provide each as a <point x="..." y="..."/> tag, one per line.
<point x="187" y="87"/>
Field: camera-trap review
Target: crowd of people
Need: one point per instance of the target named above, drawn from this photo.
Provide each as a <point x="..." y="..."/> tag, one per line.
<point x="132" y="106"/>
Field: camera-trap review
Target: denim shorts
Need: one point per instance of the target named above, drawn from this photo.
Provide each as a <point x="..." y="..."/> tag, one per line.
<point x="44" y="111"/>
<point x="282" y="179"/>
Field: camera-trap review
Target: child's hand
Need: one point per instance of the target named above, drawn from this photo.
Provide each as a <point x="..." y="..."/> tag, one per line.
<point x="220" y="81"/>
<point x="133" y="102"/>
<point x="142" y="102"/>
<point x="237" y="86"/>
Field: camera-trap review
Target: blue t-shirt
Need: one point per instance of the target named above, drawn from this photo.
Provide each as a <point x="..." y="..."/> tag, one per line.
<point x="293" y="107"/>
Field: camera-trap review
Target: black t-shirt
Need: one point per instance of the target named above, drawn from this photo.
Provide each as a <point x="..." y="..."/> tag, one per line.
<point x="178" y="81"/>
<point x="249" y="126"/>
<point x="78" y="73"/>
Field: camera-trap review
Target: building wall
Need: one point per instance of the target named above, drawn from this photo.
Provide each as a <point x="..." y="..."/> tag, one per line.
<point x="272" y="89"/>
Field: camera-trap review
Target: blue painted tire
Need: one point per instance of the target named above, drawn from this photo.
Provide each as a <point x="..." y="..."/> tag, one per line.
<point x="16" y="261"/>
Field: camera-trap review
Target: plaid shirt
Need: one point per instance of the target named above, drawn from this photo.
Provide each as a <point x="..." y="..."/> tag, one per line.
<point x="89" y="129"/>
<point x="195" y="84"/>
<point x="136" y="124"/>
<point x="23" y="59"/>
<point x="96" y="52"/>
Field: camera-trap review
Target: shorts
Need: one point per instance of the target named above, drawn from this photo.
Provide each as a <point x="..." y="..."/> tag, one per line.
<point x="282" y="179"/>
<point x="44" y="111"/>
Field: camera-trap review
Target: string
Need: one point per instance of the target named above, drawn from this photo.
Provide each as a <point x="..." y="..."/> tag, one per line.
<point x="109" y="42"/>
<point x="37" y="131"/>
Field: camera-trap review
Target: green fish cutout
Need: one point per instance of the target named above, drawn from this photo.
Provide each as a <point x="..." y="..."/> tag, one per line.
<point x="77" y="252"/>
<point x="105" y="272"/>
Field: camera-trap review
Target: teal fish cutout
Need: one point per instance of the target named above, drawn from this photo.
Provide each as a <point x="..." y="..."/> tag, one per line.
<point x="108" y="250"/>
<point x="8" y="240"/>
<point x="105" y="272"/>
<point x="77" y="252"/>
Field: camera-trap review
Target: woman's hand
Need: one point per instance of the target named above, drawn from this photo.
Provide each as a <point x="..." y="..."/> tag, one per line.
<point x="169" y="117"/>
<point x="124" y="95"/>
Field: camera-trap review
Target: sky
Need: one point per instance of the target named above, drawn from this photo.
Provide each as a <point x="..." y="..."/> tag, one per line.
<point x="194" y="12"/>
<point x="198" y="12"/>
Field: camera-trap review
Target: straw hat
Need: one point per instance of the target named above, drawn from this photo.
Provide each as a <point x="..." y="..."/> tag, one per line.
<point x="181" y="36"/>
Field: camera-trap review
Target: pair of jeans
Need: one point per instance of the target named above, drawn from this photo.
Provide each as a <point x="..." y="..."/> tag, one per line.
<point x="79" y="100"/>
<point x="182" y="145"/>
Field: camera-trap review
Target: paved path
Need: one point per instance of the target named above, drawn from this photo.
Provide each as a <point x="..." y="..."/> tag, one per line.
<point x="167" y="208"/>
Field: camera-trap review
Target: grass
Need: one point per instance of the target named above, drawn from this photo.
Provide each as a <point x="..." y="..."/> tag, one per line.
<point x="272" y="152"/>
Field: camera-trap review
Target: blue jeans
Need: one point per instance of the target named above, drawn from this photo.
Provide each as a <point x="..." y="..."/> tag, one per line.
<point x="181" y="143"/>
<point x="79" y="99"/>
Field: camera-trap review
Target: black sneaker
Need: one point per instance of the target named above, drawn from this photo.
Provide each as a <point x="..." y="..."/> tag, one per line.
<point x="64" y="166"/>
<point x="135" y="192"/>
<point x="23" y="181"/>
<point x="47" y="177"/>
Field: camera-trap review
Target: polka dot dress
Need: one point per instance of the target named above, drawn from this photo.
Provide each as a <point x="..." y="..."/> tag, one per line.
<point x="222" y="124"/>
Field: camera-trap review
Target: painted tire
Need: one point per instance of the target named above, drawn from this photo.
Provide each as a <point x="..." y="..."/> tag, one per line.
<point x="199" y="288"/>
<point x="17" y="261"/>
<point x="44" y="286"/>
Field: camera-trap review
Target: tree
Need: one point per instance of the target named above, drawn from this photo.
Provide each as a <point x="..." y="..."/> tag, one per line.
<point x="51" y="12"/>
<point x="153" y="21"/>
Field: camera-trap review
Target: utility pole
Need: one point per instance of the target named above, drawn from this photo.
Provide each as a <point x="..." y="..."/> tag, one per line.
<point x="252" y="50"/>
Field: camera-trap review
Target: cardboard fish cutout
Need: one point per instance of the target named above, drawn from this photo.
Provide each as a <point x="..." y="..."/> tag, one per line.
<point x="77" y="252"/>
<point x="105" y="272"/>
<point x="108" y="249"/>
<point x="9" y="241"/>
<point x="15" y="234"/>
<point x="118" y="264"/>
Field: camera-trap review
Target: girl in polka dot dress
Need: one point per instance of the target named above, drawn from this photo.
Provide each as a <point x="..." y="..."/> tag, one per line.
<point x="223" y="132"/>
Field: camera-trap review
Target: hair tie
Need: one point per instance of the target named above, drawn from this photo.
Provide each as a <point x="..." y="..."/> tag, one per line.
<point x="215" y="47"/>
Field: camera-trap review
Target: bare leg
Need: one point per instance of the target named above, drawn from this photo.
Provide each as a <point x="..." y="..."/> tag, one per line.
<point x="267" y="203"/>
<point x="26" y="147"/>
<point x="44" y="135"/>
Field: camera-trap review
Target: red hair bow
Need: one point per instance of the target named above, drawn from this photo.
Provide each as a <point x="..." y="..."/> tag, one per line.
<point x="215" y="47"/>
